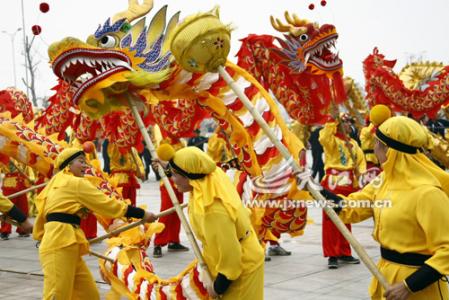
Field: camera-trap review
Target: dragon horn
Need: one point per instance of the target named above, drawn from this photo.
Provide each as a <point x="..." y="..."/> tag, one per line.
<point x="277" y="24"/>
<point x="298" y="21"/>
<point x="134" y="11"/>
<point x="297" y="31"/>
<point x="289" y="19"/>
<point x="295" y="23"/>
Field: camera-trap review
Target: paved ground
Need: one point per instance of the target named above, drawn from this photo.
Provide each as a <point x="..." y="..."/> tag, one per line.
<point x="303" y="275"/>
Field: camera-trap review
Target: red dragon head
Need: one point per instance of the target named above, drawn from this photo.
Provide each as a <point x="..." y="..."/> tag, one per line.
<point x="308" y="46"/>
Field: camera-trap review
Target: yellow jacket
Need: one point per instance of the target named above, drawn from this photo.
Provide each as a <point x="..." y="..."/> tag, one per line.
<point x="123" y="166"/>
<point x="416" y="221"/>
<point x="71" y="195"/>
<point x="336" y="153"/>
<point x="367" y="141"/>
<point x="222" y="249"/>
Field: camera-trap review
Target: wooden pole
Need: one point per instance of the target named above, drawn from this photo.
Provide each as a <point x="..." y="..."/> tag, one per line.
<point x="101" y="256"/>
<point x="132" y="225"/>
<point x="286" y="154"/>
<point x="171" y="192"/>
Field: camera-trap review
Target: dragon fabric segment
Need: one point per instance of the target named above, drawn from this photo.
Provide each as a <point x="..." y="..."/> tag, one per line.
<point x="414" y="95"/>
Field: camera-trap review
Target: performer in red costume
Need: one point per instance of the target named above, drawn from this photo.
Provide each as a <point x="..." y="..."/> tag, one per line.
<point x="15" y="180"/>
<point x="170" y="235"/>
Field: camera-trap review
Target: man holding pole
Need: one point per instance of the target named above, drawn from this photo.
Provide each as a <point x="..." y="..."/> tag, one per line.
<point x="172" y="224"/>
<point x="57" y="226"/>
<point x="231" y="249"/>
<point x="410" y="214"/>
<point x="344" y="161"/>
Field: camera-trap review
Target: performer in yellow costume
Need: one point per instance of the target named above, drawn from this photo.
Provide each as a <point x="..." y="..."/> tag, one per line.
<point x="221" y="222"/>
<point x="344" y="162"/>
<point x="8" y="208"/>
<point x="125" y="168"/>
<point x="412" y="227"/>
<point x="367" y="139"/>
<point x="60" y="205"/>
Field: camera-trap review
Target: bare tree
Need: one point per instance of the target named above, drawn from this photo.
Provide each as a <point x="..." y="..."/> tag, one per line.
<point x="31" y="68"/>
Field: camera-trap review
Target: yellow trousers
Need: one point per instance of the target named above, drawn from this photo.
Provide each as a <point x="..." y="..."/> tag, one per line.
<point x="248" y="286"/>
<point x="66" y="275"/>
<point x="394" y="272"/>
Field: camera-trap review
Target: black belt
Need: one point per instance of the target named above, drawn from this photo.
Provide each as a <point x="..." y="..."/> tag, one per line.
<point x="411" y="259"/>
<point x="368" y="151"/>
<point x="64" y="218"/>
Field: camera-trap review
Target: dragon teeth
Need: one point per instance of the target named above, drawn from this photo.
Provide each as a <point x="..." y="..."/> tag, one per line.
<point x="85" y="77"/>
<point x="90" y="63"/>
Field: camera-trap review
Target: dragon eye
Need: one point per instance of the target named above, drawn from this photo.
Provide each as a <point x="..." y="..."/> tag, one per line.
<point x="107" y="41"/>
<point x="303" y="37"/>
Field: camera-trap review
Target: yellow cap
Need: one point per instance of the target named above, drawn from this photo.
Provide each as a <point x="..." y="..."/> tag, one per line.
<point x="66" y="156"/>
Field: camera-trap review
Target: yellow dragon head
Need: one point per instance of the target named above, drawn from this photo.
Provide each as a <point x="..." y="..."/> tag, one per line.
<point x="118" y="59"/>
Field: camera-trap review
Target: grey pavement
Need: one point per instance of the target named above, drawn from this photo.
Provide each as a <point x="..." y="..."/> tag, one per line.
<point x="303" y="275"/>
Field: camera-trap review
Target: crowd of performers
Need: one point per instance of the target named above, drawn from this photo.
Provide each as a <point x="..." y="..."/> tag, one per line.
<point x="412" y="232"/>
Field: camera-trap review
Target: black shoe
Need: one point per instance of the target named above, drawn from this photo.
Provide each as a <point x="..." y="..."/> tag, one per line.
<point x="157" y="252"/>
<point x="278" y="251"/>
<point x="4" y="236"/>
<point x="24" y="235"/>
<point x="332" y="263"/>
<point x="349" y="260"/>
<point x="267" y="258"/>
<point x="176" y="247"/>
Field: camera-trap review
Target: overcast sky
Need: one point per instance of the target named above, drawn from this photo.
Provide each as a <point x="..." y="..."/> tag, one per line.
<point x="400" y="28"/>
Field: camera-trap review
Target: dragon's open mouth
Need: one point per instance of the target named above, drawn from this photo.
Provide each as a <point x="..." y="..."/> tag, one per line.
<point x="82" y="68"/>
<point x="324" y="54"/>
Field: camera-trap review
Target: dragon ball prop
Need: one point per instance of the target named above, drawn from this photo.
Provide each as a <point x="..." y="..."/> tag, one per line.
<point x="379" y="114"/>
<point x="201" y="43"/>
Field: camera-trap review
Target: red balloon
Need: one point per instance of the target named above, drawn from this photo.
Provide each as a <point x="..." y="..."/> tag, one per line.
<point x="88" y="147"/>
<point x="323" y="3"/>
<point x="36" y="29"/>
<point x="44" y="7"/>
<point x="311" y="6"/>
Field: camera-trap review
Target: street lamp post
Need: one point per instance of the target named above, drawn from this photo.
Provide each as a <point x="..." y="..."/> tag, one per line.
<point x="12" y="36"/>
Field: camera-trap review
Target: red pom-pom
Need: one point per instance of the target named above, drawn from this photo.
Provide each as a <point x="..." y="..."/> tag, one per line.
<point x="36" y="29"/>
<point x="323" y="2"/>
<point x="88" y="147"/>
<point x="311" y="6"/>
<point x="44" y="7"/>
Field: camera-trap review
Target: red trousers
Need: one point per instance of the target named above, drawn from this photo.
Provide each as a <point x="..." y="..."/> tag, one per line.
<point x="129" y="192"/>
<point x="170" y="234"/>
<point x="89" y="226"/>
<point x="334" y="243"/>
<point x="22" y="203"/>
